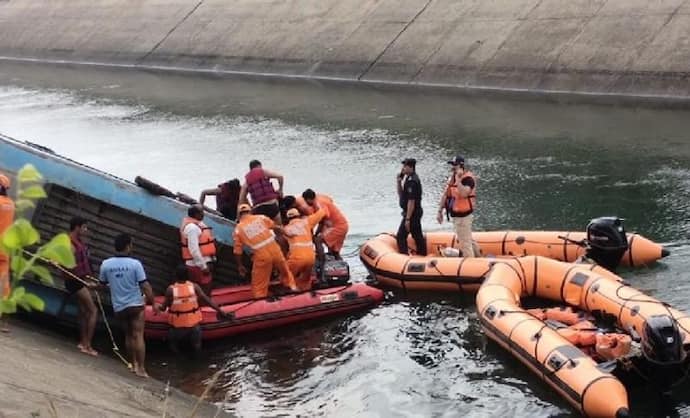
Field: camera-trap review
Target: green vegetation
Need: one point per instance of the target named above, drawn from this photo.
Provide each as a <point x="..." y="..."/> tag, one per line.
<point x="22" y="235"/>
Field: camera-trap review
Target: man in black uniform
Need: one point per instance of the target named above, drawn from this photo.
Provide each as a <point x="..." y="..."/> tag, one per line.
<point x="410" y="193"/>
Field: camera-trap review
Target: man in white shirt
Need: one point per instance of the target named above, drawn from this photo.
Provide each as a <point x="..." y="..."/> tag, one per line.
<point x="198" y="247"/>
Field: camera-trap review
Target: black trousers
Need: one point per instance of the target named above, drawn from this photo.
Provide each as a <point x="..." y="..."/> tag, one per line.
<point x="417" y="235"/>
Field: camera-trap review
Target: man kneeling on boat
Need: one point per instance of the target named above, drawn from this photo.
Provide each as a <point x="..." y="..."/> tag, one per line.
<point x="258" y="233"/>
<point x="184" y="313"/>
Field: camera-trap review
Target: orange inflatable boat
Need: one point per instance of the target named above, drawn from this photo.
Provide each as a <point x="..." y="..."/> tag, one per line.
<point x="643" y="336"/>
<point x="434" y="273"/>
<point x="605" y="243"/>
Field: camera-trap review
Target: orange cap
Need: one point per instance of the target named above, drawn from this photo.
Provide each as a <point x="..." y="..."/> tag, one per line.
<point x="5" y="181"/>
<point x="244" y="208"/>
<point x="292" y="213"/>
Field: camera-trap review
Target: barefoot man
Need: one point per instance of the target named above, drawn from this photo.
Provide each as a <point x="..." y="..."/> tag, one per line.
<point x="127" y="281"/>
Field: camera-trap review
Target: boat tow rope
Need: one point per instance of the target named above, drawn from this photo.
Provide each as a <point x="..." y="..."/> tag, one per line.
<point x="115" y="347"/>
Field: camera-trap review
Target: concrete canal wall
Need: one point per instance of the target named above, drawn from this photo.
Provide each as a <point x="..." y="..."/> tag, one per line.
<point x="626" y="47"/>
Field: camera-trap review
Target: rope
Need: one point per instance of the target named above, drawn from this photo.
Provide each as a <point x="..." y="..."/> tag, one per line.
<point x="653" y="301"/>
<point x="115" y="348"/>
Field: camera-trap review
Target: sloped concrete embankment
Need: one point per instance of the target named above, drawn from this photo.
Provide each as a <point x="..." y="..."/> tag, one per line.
<point x="45" y="376"/>
<point x="626" y="47"/>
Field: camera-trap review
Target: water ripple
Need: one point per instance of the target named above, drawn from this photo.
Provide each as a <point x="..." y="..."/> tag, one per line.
<point x="415" y="356"/>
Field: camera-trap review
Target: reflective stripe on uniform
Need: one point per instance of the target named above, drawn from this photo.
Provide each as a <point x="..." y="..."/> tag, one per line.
<point x="265" y="242"/>
<point x="303" y="244"/>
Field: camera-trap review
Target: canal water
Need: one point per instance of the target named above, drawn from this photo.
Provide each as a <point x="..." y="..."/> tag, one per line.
<point x="541" y="165"/>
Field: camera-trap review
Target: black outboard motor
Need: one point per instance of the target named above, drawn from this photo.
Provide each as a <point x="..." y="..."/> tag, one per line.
<point x="336" y="272"/>
<point x="607" y="241"/>
<point x="665" y="359"/>
<point x="662" y="341"/>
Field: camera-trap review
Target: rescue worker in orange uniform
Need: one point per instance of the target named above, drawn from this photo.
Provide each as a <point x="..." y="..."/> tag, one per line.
<point x="300" y="237"/>
<point x="184" y="313"/>
<point x="6" y="219"/>
<point x="258" y="233"/>
<point x="459" y="202"/>
<point x="198" y="247"/>
<point x="334" y="226"/>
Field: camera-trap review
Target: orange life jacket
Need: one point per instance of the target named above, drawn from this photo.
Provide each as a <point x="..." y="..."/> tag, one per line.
<point x="299" y="234"/>
<point x="459" y="205"/>
<point x="6" y="213"/>
<point x="255" y="232"/>
<point x="6" y="220"/>
<point x="564" y="314"/>
<point x="207" y="244"/>
<point x="184" y="311"/>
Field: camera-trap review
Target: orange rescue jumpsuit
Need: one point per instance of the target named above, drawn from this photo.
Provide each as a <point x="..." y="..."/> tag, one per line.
<point x="6" y="220"/>
<point x="255" y="231"/>
<point x="335" y="226"/>
<point x="299" y="233"/>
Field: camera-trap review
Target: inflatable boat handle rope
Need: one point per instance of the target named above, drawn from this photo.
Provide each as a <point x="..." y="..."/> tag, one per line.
<point x="581" y="243"/>
<point x="626" y="299"/>
<point x="664" y="304"/>
<point x="434" y="264"/>
<point x="115" y="348"/>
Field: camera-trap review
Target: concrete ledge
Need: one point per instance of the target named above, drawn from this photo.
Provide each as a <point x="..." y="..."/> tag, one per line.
<point x="627" y="47"/>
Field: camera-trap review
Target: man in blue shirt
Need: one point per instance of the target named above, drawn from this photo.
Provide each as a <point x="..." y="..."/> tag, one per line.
<point x="127" y="281"/>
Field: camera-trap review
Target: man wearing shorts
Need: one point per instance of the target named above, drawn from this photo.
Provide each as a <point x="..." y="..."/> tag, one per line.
<point x="78" y="283"/>
<point x="127" y="281"/>
<point x="264" y="198"/>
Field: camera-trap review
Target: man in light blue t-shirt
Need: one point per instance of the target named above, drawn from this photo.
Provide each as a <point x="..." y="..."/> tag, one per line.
<point x="127" y="281"/>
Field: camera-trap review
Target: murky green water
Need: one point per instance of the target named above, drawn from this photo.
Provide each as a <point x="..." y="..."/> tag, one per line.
<point x="540" y="165"/>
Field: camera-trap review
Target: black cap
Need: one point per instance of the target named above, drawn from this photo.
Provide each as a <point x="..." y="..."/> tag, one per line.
<point x="410" y="161"/>
<point x="458" y="160"/>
